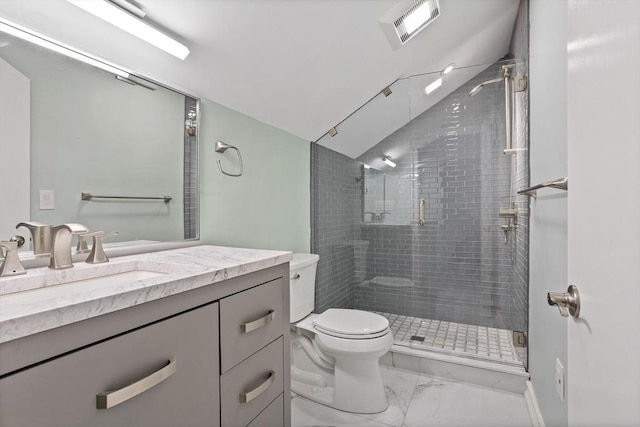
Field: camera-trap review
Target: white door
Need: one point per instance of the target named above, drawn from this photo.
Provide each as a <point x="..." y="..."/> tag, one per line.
<point x="603" y="380"/>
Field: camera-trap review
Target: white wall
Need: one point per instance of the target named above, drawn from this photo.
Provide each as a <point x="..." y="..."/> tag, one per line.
<point x="548" y="219"/>
<point x="269" y="205"/>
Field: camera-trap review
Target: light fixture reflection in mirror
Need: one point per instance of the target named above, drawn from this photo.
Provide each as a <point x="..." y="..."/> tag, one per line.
<point x="16" y="30"/>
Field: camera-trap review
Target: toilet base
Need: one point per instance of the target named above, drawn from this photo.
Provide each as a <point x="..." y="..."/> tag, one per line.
<point x="358" y="383"/>
<point x="337" y="372"/>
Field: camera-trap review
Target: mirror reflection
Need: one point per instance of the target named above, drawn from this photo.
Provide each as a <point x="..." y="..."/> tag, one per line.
<point x="70" y="128"/>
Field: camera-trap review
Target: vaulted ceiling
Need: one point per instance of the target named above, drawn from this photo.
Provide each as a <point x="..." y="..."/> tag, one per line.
<point x="299" y="65"/>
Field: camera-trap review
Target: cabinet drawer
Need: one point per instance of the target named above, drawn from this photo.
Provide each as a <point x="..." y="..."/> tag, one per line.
<point x="63" y="391"/>
<point x="250" y="320"/>
<point x="248" y="388"/>
<point x="272" y="416"/>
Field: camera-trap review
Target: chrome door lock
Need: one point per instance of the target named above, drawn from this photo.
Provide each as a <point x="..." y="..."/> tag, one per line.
<point x="568" y="302"/>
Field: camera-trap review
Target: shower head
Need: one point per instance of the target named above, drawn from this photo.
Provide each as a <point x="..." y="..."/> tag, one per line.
<point x="481" y="85"/>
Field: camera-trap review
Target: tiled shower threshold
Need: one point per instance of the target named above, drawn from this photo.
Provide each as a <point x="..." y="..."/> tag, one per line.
<point x="455" y="339"/>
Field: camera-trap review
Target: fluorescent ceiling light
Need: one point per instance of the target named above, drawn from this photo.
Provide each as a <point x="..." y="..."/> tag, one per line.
<point x="43" y="41"/>
<point x="388" y="161"/>
<point x="433" y="86"/>
<point x="131" y="24"/>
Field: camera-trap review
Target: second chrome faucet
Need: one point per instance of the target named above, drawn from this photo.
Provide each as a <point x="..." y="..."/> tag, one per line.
<point x="61" y="236"/>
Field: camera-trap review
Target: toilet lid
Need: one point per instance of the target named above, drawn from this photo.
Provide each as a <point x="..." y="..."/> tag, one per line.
<point x="350" y="322"/>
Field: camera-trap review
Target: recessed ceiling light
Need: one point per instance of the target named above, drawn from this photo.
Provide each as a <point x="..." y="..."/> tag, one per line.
<point x="418" y="16"/>
<point x="448" y="68"/>
<point x="120" y="18"/>
<point x="433" y="86"/>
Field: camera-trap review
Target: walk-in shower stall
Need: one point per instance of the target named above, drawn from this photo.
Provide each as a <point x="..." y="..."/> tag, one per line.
<point x="426" y="226"/>
<point x="419" y="218"/>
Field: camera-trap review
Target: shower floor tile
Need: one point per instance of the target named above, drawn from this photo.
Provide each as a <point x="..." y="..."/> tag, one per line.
<point x="458" y="339"/>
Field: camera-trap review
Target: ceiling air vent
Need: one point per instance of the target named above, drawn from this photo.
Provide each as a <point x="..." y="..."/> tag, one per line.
<point x="407" y="19"/>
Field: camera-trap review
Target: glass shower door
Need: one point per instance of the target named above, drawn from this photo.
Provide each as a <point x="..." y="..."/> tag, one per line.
<point x="463" y="261"/>
<point x="434" y="255"/>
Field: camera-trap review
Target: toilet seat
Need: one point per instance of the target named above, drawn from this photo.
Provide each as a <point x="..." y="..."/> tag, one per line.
<point x="351" y="324"/>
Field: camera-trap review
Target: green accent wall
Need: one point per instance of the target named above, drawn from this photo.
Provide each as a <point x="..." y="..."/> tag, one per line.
<point x="268" y="206"/>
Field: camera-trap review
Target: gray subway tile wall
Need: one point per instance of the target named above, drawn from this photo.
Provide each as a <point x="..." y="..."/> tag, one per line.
<point x="457" y="267"/>
<point x="190" y="160"/>
<point x="336" y="208"/>
<point x="454" y="268"/>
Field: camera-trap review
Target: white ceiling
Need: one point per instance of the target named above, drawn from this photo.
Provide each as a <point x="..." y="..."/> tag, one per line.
<point x="299" y="65"/>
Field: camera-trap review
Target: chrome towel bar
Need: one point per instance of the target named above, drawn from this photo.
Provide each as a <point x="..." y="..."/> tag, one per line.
<point x="89" y="196"/>
<point x="560" y="184"/>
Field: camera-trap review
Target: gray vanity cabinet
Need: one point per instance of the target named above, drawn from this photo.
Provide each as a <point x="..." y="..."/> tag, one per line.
<point x="218" y="356"/>
<point x="180" y="351"/>
<point x="271" y="416"/>
<point x="252" y="352"/>
<point x="248" y="321"/>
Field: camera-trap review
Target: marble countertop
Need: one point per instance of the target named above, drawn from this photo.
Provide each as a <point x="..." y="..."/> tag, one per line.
<point x="38" y="304"/>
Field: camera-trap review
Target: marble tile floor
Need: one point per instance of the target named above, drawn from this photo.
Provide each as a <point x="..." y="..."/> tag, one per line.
<point x="477" y="342"/>
<point x="417" y="400"/>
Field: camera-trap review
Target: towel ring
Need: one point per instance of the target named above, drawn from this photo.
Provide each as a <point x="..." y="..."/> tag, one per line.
<point x="221" y="147"/>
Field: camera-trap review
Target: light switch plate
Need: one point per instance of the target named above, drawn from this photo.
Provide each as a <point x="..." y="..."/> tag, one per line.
<point x="46" y="200"/>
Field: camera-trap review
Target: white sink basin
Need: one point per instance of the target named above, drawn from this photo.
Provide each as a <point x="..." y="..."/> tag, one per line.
<point x="94" y="276"/>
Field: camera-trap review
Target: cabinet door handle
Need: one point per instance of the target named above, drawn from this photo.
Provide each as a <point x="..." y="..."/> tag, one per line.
<point x="250" y="395"/>
<point x="258" y="323"/>
<point x="109" y="399"/>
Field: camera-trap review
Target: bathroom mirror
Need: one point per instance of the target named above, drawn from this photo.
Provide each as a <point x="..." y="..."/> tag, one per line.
<point x="384" y="201"/>
<point x="74" y="128"/>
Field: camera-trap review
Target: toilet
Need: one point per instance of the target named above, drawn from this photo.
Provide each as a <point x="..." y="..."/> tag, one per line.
<point x="335" y="354"/>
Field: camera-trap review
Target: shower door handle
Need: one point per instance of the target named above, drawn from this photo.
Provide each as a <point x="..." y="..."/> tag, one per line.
<point x="421" y="212"/>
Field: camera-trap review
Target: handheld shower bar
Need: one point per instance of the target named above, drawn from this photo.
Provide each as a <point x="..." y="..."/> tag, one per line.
<point x="508" y="103"/>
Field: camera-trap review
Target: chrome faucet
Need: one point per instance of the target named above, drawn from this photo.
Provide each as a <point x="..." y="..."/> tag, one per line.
<point x="11" y="265"/>
<point x="40" y="236"/>
<point x="97" y="254"/>
<point x="381" y="216"/>
<point x="61" y="236"/>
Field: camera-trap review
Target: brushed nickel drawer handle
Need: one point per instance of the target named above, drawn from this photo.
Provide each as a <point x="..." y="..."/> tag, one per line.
<point x="257" y="324"/>
<point x="250" y="395"/>
<point x="109" y="399"/>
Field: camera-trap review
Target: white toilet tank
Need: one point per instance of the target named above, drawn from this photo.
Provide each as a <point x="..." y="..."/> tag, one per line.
<point x="302" y="285"/>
